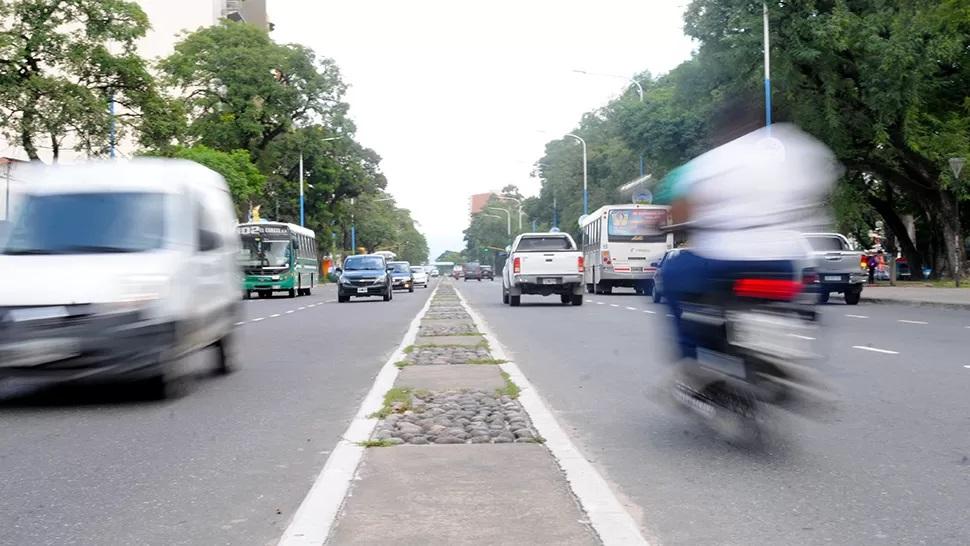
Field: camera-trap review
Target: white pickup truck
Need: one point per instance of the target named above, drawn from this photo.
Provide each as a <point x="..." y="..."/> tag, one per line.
<point x="543" y="264"/>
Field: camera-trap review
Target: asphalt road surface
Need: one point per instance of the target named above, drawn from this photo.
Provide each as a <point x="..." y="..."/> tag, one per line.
<point x="888" y="464"/>
<point x="227" y="463"/>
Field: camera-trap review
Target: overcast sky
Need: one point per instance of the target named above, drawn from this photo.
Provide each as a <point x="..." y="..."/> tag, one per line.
<point x="453" y="94"/>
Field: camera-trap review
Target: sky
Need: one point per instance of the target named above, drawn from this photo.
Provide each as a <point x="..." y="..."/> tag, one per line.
<point x="460" y="97"/>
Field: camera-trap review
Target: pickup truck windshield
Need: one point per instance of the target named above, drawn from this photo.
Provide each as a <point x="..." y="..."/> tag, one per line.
<point x="826" y="244"/>
<point x="542" y="244"/>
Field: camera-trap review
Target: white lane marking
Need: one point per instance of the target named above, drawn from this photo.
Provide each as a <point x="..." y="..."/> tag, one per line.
<point x="290" y="311"/>
<point x="857" y="316"/>
<point x="799" y="336"/>
<point x="669" y="315"/>
<point x="301" y="308"/>
<point x="967" y="366"/>
<point x="256" y="319"/>
<point x="614" y="305"/>
<point x="330" y="301"/>
<point x="315" y="517"/>
<point x="631" y="308"/>
<point x="601" y="303"/>
<point x="274" y="315"/>
<point x="240" y="323"/>
<point x="913" y="321"/>
<point x="606" y="515"/>
<point x="649" y="312"/>
<point x="875" y="350"/>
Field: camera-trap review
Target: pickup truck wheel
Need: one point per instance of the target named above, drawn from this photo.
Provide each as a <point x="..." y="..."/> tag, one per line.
<point x="565" y="298"/>
<point x="852" y="297"/>
<point x="514" y="301"/>
<point x="823" y="297"/>
<point x="505" y="297"/>
<point x="577" y="299"/>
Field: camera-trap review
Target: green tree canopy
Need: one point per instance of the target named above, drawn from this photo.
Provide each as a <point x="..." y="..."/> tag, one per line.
<point x="243" y="178"/>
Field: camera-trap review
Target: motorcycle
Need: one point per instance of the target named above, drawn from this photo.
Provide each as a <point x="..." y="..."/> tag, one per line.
<point x="756" y="343"/>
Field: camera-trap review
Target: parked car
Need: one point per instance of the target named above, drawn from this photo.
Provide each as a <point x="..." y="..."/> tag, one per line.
<point x="401" y="276"/>
<point x="488" y="272"/>
<point x="543" y="264"/>
<point x="419" y="276"/>
<point x="123" y="269"/>
<point x="473" y="270"/>
<point x="837" y="266"/>
<point x="658" y="284"/>
<point x="363" y="276"/>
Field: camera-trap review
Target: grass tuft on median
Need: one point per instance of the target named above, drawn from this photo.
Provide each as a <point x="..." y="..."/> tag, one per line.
<point x="396" y="400"/>
<point x="510" y="389"/>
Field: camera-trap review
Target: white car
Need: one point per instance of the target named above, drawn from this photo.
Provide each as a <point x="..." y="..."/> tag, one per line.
<point x="419" y="276"/>
<point x="115" y="271"/>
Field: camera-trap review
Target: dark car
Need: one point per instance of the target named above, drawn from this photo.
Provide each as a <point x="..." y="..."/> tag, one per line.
<point x="473" y="270"/>
<point x="658" y="284"/>
<point x="362" y="276"/>
<point x="401" y="276"/>
<point x="488" y="272"/>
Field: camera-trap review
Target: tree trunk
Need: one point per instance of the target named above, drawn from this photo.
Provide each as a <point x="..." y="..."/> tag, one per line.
<point x="27" y="138"/>
<point x="949" y="220"/>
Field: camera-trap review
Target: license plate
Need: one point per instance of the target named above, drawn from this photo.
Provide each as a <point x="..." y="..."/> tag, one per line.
<point x="833" y="277"/>
<point x="550" y="281"/>
<point x="637" y="269"/>
<point x="361" y="290"/>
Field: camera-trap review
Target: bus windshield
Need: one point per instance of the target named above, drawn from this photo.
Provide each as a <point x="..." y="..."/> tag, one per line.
<point x="637" y="225"/>
<point x="256" y="252"/>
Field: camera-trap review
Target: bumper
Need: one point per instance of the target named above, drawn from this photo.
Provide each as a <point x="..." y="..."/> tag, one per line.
<point x="845" y="282"/>
<point x="86" y="349"/>
<point x="546" y="285"/>
<point x="355" y="291"/>
<point x="625" y="276"/>
<point x="263" y="283"/>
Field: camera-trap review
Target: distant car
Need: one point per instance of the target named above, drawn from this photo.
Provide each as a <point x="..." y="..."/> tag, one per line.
<point x="401" y="276"/>
<point x="488" y="272"/>
<point x="473" y="270"/>
<point x="658" y="285"/>
<point x="434" y="272"/>
<point x="456" y="272"/>
<point x="419" y="276"/>
<point x="362" y="276"/>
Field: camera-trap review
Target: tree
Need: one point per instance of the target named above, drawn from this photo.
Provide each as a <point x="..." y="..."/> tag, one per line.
<point x="451" y="256"/>
<point x="61" y="63"/>
<point x="243" y="178"/>
<point x="242" y="90"/>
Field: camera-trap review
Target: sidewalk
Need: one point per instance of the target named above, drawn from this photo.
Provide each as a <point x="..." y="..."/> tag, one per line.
<point x="957" y="298"/>
<point x="457" y="456"/>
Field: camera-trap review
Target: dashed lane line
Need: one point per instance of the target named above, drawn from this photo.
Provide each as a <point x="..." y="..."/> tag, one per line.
<point x="290" y="311"/>
<point x="649" y="312"/>
<point x="913" y="321"/>
<point x="799" y="336"/>
<point x="875" y="350"/>
<point x="631" y="308"/>
<point x="614" y="305"/>
<point x="857" y="316"/>
<point x="601" y="303"/>
<point x="301" y="308"/>
<point x="240" y="323"/>
<point x="274" y="315"/>
<point x="257" y="319"/>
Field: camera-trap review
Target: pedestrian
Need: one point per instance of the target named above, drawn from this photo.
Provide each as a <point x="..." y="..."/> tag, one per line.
<point x="872" y="264"/>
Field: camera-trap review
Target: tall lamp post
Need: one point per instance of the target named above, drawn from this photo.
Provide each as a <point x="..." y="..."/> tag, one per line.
<point x="508" y="219"/>
<point x="519" y="202"/>
<point x="956" y="167"/>
<point x="585" y="188"/>
<point x="301" y="176"/>
<point x="764" y="11"/>
<point x="353" y="221"/>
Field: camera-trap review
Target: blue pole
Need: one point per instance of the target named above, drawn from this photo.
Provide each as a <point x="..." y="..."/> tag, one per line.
<point x="353" y="238"/>
<point x="764" y="11"/>
<point x="301" y="210"/>
<point x="534" y="228"/>
<point x="585" y="201"/>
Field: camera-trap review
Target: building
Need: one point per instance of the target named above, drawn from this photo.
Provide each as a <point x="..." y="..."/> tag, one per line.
<point x="480" y="200"/>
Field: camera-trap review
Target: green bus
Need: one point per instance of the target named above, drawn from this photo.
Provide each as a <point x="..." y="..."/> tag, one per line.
<point x="278" y="257"/>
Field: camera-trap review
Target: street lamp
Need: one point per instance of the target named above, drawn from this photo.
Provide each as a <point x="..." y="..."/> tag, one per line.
<point x="585" y="190"/>
<point x="301" y="176"/>
<point x="353" y="221"/>
<point x="519" y="201"/>
<point x="508" y="218"/>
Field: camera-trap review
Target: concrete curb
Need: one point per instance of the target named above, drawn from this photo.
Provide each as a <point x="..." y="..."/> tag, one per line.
<point x="935" y="304"/>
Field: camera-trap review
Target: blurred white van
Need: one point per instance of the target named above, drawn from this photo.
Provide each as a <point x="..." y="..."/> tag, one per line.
<point x="114" y="271"/>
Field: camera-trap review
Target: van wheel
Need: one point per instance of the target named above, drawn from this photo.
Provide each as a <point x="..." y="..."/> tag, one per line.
<point x="514" y="301"/>
<point x="565" y="298"/>
<point x="227" y="354"/>
<point x="577" y="299"/>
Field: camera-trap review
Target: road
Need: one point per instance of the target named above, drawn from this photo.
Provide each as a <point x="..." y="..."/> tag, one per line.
<point x="889" y="464"/>
<point x="228" y="463"/>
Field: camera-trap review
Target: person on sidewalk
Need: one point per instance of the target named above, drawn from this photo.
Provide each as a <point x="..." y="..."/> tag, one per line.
<point x="872" y="264"/>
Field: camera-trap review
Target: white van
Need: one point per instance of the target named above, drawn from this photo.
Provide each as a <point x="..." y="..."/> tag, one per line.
<point x="113" y="271"/>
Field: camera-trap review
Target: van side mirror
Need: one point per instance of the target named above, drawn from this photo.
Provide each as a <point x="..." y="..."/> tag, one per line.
<point x="208" y="240"/>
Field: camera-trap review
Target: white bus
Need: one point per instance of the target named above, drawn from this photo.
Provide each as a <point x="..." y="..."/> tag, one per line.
<point x="620" y="245"/>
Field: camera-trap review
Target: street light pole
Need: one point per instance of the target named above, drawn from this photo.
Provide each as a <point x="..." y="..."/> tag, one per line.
<point x="519" y="201"/>
<point x="508" y="218"/>
<point x="764" y="10"/>
<point x="301" y="176"/>
<point x="585" y="188"/>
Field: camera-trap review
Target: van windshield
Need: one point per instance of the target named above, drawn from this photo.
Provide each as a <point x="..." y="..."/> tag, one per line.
<point x="88" y="223"/>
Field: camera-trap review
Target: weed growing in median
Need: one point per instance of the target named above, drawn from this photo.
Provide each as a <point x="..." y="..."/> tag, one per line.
<point x="511" y="389"/>
<point x="401" y="364"/>
<point x="486" y="361"/>
<point x="376" y="443"/>
<point x="409" y="349"/>
<point x="396" y="400"/>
